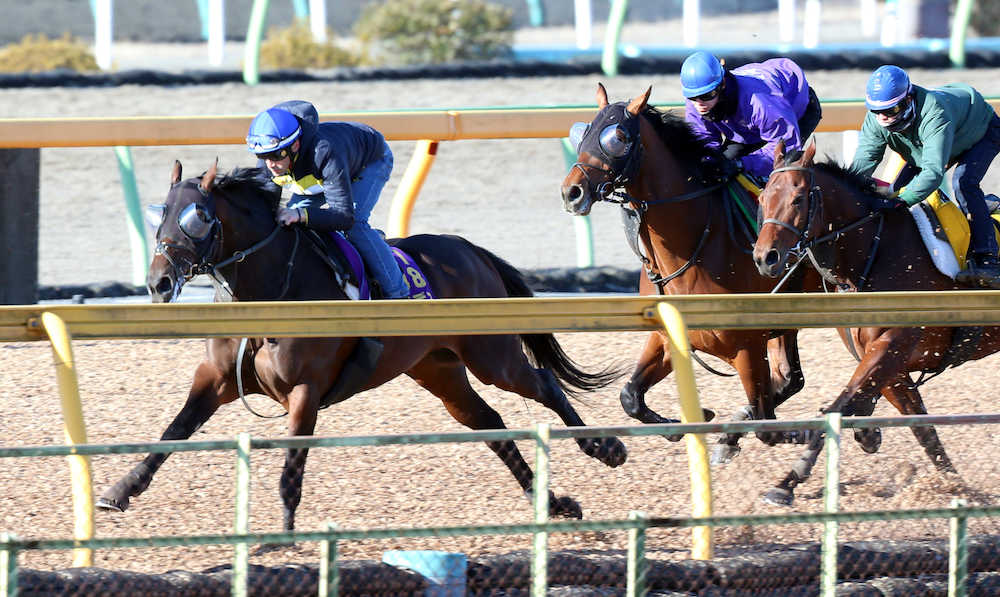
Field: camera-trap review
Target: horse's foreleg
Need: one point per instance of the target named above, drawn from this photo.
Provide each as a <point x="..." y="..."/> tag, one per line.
<point x="207" y="392"/>
<point x="303" y="404"/>
<point x="783" y="493"/>
<point x="907" y="401"/>
<point x="787" y="378"/>
<point x="654" y="365"/>
<point x="443" y="375"/>
<point x="751" y="364"/>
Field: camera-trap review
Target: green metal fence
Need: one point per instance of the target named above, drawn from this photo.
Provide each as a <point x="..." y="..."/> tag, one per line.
<point x="636" y="525"/>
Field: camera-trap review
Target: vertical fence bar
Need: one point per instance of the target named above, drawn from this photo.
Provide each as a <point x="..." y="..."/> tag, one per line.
<point x="8" y="566"/>
<point x="581" y="224"/>
<point x="831" y="502"/>
<point x="409" y="187"/>
<point x="133" y="211"/>
<point x="103" y="31"/>
<point x="241" y="563"/>
<point x="959" y="26"/>
<point x="958" y="551"/>
<point x="251" y="51"/>
<point x="317" y="20"/>
<point x="329" y="577"/>
<point x="216" y="32"/>
<point x="609" y="57"/>
<point x="701" y="476"/>
<point x="636" y="578"/>
<point x="75" y="432"/>
<point x="539" y="549"/>
<point x="691" y="19"/>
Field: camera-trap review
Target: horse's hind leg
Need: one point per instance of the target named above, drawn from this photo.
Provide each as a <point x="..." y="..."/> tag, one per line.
<point x="512" y="372"/>
<point x="907" y="401"/>
<point x="443" y="374"/>
<point x="203" y="400"/>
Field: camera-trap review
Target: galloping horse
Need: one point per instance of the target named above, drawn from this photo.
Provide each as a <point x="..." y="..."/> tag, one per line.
<point x="207" y="219"/>
<point x="682" y="225"/>
<point x="822" y="209"/>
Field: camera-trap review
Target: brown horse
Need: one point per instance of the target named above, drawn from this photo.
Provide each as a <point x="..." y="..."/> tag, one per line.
<point x="207" y="219"/>
<point x="822" y="212"/>
<point x="690" y="235"/>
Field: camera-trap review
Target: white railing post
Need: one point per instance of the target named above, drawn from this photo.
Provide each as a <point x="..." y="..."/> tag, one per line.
<point x="317" y="20"/>
<point x="216" y="31"/>
<point x="810" y="23"/>
<point x="583" y="20"/>
<point x="103" y="28"/>
<point x="786" y="20"/>
<point x="691" y="20"/>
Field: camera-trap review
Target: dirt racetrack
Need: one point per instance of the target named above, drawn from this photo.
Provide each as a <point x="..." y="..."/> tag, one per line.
<point x="502" y="195"/>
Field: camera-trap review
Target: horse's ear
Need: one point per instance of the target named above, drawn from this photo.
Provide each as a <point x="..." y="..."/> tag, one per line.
<point x="809" y="153"/>
<point x="637" y="105"/>
<point x="209" y="178"/>
<point x="175" y="174"/>
<point x="602" y="96"/>
<point x="779" y="153"/>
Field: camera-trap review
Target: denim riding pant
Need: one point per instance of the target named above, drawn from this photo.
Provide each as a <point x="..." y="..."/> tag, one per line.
<point x="970" y="168"/>
<point x="365" y="189"/>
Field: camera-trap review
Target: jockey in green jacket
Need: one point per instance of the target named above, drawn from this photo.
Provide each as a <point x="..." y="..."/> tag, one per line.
<point x="932" y="130"/>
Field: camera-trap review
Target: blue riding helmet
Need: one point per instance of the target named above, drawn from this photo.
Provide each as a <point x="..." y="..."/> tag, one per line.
<point x="272" y="130"/>
<point x="701" y="72"/>
<point x="888" y="92"/>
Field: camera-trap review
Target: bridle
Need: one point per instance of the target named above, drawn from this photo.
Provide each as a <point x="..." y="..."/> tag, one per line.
<point x="805" y="244"/>
<point x="205" y="260"/>
<point x="613" y="190"/>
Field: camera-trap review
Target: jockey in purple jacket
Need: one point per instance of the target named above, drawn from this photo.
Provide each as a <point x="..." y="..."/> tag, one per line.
<point x="746" y="111"/>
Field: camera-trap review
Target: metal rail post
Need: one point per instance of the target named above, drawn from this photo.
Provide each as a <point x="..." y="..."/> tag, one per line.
<point x="241" y="561"/>
<point x="636" y="566"/>
<point x="581" y="224"/>
<point x="831" y="501"/>
<point x="701" y="477"/>
<point x="251" y="52"/>
<point x="609" y="58"/>
<point x="958" y="551"/>
<point x="133" y="211"/>
<point x="75" y="433"/>
<point x="8" y="566"/>
<point x="329" y="576"/>
<point x="409" y="187"/>
<point x="540" y="549"/>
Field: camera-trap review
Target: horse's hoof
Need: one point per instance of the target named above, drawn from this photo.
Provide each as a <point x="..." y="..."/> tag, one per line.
<point x="870" y="439"/>
<point x="778" y="497"/>
<point x="707" y="414"/>
<point x="610" y="450"/>
<point x="565" y="507"/>
<point x="724" y="453"/>
<point x="111" y="505"/>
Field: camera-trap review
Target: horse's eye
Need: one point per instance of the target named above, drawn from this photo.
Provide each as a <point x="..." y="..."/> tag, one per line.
<point x="195" y="222"/>
<point x="576" y="134"/>
<point x="615" y="141"/>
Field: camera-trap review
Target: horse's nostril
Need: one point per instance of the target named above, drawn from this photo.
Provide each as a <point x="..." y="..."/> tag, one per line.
<point x="165" y="285"/>
<point x="572" y="192"/>
<point x="772" y="257"/>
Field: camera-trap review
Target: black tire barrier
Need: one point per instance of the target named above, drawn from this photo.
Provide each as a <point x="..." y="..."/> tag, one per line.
<point x="658" y="65"/>
<point x="870" y="568"/>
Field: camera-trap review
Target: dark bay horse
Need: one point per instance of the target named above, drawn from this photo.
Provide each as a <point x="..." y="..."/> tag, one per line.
<point x="687" y="231"/>
<point x="207" y="220"/>
<point x="838" y="218"/>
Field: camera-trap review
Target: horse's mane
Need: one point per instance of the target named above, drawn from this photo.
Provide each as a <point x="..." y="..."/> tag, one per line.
<point x="864" y="187"/>
<point x="676" y="133"/>
<point x="249" y="184"/>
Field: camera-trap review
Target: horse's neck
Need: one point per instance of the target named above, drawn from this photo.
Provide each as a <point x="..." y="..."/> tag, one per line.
<point x="849" y="254"/>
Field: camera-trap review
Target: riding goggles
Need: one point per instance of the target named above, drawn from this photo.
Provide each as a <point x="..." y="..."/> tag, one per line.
<point x="707" y="97"/>
<point x="892" y="110"/>
<point x="274" y="156"/>
<point x="196" y="222"/>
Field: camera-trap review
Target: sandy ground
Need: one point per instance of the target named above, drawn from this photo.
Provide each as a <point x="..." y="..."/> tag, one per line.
<point x="502" y="195"/>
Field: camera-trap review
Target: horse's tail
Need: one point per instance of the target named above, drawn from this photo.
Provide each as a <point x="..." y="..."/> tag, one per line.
<point x="544" y="349"/>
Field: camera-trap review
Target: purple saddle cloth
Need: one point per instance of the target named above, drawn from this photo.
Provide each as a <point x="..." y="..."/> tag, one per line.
<point x="414" y="276"/>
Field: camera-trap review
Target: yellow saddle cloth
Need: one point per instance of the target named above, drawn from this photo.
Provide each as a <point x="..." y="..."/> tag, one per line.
<point x="945" y="230"/>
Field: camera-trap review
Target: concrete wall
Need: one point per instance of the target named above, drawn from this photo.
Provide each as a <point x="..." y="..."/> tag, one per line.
<point x="178" y="20"/>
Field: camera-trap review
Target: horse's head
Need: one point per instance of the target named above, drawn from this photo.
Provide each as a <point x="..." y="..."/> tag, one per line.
<point x="187" y="236"/>
<point x="608" y="152"/>
<point x="790" y="207"/>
